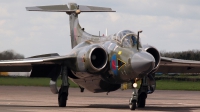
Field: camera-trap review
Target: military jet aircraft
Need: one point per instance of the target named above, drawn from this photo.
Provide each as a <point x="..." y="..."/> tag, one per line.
<point x="100" y="63"/>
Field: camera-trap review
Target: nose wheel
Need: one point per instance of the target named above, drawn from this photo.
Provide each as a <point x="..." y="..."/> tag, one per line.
<point x="140" y="102"/>
<point x="132" y="104"/>
<point x="139" y="97"/>
<point x="134" y="98"/>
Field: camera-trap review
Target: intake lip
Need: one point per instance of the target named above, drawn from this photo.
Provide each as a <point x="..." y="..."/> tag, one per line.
<point x="98" y="58"/>
<point x="142" y="62"/>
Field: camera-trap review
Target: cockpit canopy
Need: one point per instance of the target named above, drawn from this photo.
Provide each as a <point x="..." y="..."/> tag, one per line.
<point x="126" y="38"/>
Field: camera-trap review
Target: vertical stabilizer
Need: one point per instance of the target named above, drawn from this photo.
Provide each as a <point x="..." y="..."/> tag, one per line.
<point x="76" y="32"/>
<point x="75" y="29"/>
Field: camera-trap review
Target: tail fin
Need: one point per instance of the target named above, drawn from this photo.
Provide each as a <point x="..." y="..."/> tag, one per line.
<point x="77" y="33"/>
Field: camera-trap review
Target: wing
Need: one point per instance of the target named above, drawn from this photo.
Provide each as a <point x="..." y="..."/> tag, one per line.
<point x="171" y="65"/>
<point x="27" y="64"/>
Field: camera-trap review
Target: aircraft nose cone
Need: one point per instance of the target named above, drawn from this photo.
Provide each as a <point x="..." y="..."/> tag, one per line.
<point x="142" y="62"/>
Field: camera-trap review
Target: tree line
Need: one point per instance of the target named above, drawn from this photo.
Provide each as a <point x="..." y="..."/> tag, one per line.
<point x="10" y="54"/>
<point x="187" y="55"/>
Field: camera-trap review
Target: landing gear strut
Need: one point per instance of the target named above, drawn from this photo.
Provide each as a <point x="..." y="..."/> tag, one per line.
<point x="133" y="100"/>
<point x="63" y="92"/>
<point x="139" y="97"/>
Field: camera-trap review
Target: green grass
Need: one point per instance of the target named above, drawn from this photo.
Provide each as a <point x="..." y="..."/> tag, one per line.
<point x="161" y="84"/>
<point x="177" y="85"/>
<point x="27" y="81"/>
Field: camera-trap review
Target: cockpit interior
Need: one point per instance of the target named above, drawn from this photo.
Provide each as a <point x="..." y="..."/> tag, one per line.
<point x="126" y="38"/>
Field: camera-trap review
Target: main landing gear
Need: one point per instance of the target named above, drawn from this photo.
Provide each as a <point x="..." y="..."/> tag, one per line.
<point x="63" y="92"/>
<point x="139" y="97"/>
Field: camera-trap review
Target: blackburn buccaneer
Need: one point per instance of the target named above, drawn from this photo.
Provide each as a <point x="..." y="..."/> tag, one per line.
<point x="100" y="63"/>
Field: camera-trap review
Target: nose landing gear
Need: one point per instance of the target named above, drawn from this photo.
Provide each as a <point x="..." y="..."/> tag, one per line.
<point x="139" y="97"/>
<point x="133" y="100"/>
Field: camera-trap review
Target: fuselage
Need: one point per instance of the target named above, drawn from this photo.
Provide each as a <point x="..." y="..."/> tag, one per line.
<point x="122" y="54"/>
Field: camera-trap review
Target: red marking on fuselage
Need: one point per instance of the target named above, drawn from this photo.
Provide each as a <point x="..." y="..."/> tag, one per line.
<point x="113" y="64"/>
<point x="75" y="34"/>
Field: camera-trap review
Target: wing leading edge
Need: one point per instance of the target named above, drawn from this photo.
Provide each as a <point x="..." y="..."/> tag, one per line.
<point x="25" y="65"/>
<point x="171" y="65"/>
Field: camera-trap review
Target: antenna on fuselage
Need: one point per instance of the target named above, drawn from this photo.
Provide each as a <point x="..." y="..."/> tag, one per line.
<point x="138" y="39"/>
<point x="106" y="32"/>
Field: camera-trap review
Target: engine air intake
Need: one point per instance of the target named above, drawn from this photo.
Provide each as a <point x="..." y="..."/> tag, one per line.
<point x="98" y="58"/>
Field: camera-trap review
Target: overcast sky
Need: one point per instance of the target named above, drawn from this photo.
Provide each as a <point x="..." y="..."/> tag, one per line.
<point x="170" y="25"/>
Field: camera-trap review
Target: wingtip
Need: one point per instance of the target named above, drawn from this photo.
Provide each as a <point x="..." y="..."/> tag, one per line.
<point x="33" y="9"/>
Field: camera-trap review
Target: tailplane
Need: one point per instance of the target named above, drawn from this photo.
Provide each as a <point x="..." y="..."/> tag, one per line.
<point x="74" y="8"/>
<point x="77" y="33"/>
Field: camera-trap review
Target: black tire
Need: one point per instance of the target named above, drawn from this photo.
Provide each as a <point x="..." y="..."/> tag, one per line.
<point x="132" y="104"/>
<point x="62" y="96"/>
<point x="62" y="100"/>
<point x="142" y="100"/>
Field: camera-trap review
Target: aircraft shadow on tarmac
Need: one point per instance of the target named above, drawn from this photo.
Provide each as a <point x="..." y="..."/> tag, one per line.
<point x="114" y="106"/>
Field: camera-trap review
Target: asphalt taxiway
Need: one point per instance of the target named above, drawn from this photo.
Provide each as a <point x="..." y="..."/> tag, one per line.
<point x="40" y="99"/>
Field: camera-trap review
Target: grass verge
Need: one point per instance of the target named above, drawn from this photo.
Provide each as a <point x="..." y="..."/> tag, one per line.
<point x="177" y="85"/>
<point x="160" y="84"/>
<point x="27" y="81"/>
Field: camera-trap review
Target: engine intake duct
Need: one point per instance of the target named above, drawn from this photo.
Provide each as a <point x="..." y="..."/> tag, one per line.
<point x="98" y="58"/>
<point x="91" y="59"/>
<point x="155" y="53"/>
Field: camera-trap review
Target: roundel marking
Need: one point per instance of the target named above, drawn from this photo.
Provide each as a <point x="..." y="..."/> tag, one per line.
<point x="114" y="64"/>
